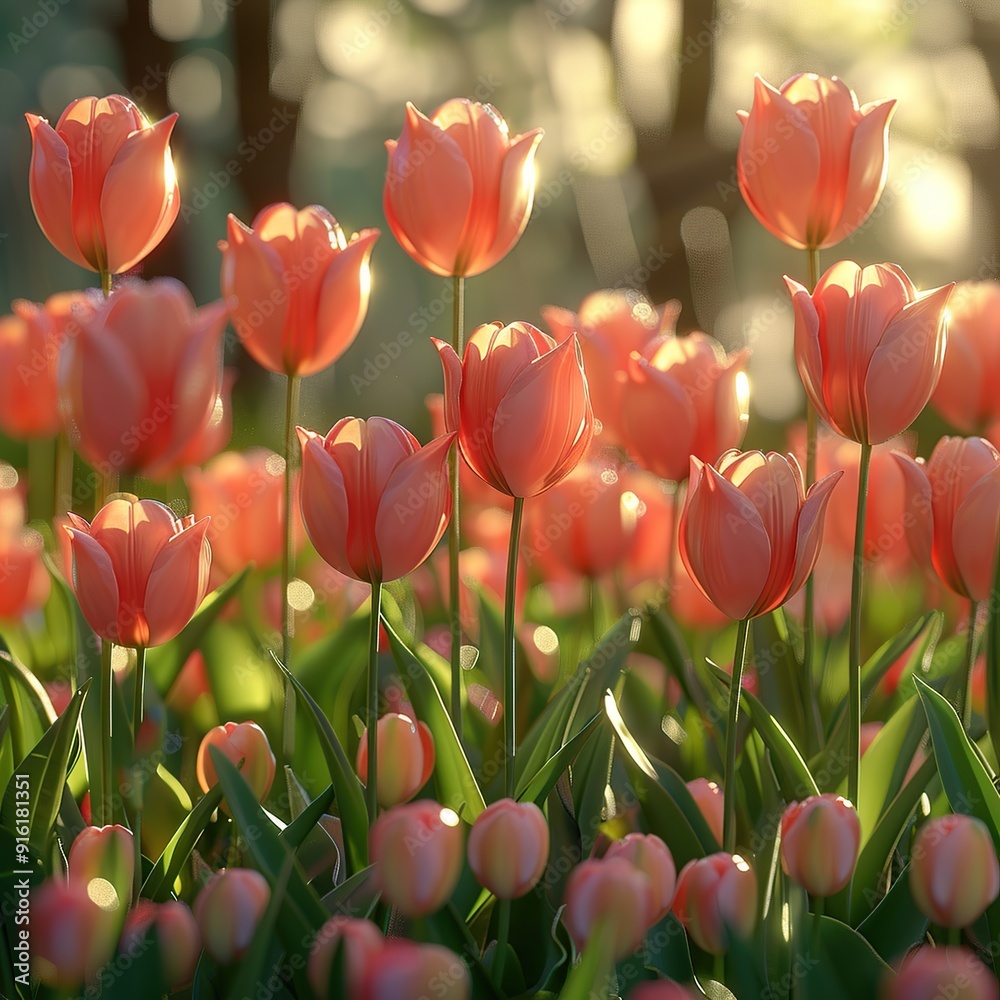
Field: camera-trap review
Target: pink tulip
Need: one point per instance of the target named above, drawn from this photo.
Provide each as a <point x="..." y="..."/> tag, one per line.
<point x="139" y="571"/>
<point x="868" y="347"/>
<point x="213" y="436"/>
<point x="748" y="535"/>
<point x="228" y="909"/>
<point x="297" y="290"/>
<point x="692" y="386"/>
<point x="716" y="899"/>
<point x="404" y="970"/>
<point x="102" y="860"/>
<point x="954" y="874"/>
<point x="244" y="741"/>
<point x="374" y="503"/>
<point x="24" y="580"/>
<point x="709" y="799"/>
<point x="458" y="189"/>
<point x="509" y="847"/>
<point x="820" y="841"/>
<point x="148" y="349"/>
<point x="520" y="406"/>
<point x="102" y="182"/>
<point x="361" y="943"/>
<point x="653" y="858"/>
<point x="811" y="164"/>
<point x="933" y="973"/>
<point x="417" y="848"/>
<point x="951" y="515"/>
<point x="405" y="758"/>
<point x="177" y="938"/>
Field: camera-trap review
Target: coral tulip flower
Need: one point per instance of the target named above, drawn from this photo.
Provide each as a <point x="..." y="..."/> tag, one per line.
<point x="297" y="289"/>
<point x="749" y="536"/>
<point x="244" y="741"/>
<point x="458" y="189"/>
<point x="405" y="970"/>
<point x="373" y="501"/>
<point x="177" y="937"/>
<point x="653" y="858"/>
<point x="932" y="972"/>
<point x="820" y="841"/>
<point x="869" y="349"/>
<point x="102" y="182"/>
<point x="520" y="405"/>
<point x="405" y="758"/>
<point x="716" y="898"/>
<point x="508" y="847"/>
<point x="361" y="942"/>
<point x="24" y="580"/>
<point x="708" y="798"/>
<point x="102" y="860"/>
<point x="951" y="515"/>
<point x="139" y="571"/>
<point x="811" y="164"/>
<point x="228" y="910"/>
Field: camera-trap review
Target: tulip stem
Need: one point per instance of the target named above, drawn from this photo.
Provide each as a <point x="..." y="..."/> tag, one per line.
<point x="106" y="280"/>
<point x="104" y="807"/>
<point x="965" y="694"/>
<point x="503" y="936"/>
<point x="287" y="556"/>
<point x="819" y="904"/>
<point x="509" y="665"/>
<point x="854" y="661"/>
<point x="63" y="477"/>
<point x="371" y="785"/>
<point x="137" y="694"/>
<point x="455" y="528"/>
<point x="729" y="786"/>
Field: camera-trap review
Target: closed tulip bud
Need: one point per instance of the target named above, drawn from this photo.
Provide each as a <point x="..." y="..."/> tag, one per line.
<point x="361" y="942"/>
<point x="244" y="741"/>
<point x="417" y="848"/>
<point x="520" y="405"/>
<point x="297" y="289"/>
<point x="102" y="860"/>
<point x="954" y="874"/>
<point x="177" y="938"/>
<point x="951" y="519"/>
<point x="404" y="970"/>
<point x="159" y="358"/>
<point x="71" y="935"/>
<point x="709" y="799"/>
<point x="653" y="858"/>
<point x="458" y="189"/>
<point x="139" y="571"/>
<point x="610" y="897"/>
<point x="820" y="841"/>
<point x="933" y="973"/>
<point x="228" y="909"/>
<point x="509" y="847"/>
<point x="691" y="385"/>
<point x="374" y="503"/>
<point x="102" y="182"/>
<point x="661" y="990"/>
<point x="405" y="758"/>
<point x="811" y="163"/>
<point x="868" y="347"/>
<point x="716" y="900"/>
<point x="749" y="535"/>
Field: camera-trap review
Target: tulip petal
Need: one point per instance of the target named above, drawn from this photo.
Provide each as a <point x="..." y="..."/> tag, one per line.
<point x="323" y="499"/>
<point x="809" y="532"/>
<point x="178" y="582"/>
<point x="974" y="535"/>
<point x="451" y="366"/>
<point x="918" y="520"/>
<point x="94" y="584"/>
<point x="961" y="396"/>
<point x="808" y="354"/>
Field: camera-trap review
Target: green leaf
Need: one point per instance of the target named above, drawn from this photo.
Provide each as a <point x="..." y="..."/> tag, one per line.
<point x="846" y="966"/>
<point x="537" y="787"/>
<point x="779" y="674"/>
<point x="591" y="977"/>
<point x="143" y="976"/>
<point x="297" y="831"/>
<point x="895" y="924"/>
<point x="31" y="710"/>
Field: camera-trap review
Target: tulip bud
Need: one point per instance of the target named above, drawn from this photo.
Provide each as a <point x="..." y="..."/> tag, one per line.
<point x="508" y="847"/>
<point x="954" y="874"/>
<point x="709" y="799"/>
<point x="403" y="970"/>
<point x="102" y="861"/>
<point x="245" y="741"/>
<point x="228" y="909"/>
<point x="661" y="990"/>
<point x="931" y="973"/>
<point x="405" y="758"/>
<point x="417" y="848"/>
<point x="361" y="941"/>
<point x="610" y="897"/>
<point x="820" y="841"/>
<point x="177" y="937"/>
<point x="653" y="858"/>
<point x="716" y="899"/>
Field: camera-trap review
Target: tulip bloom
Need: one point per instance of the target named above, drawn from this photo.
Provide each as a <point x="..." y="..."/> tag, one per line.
<point x="811" y="163"/>
<point x="361" y="941"/>
<point x="228" y="909"/>
<point x="458" y="189"/>
<point x="954" y="874"/>
<point x="244" y="741"/>
<point x="716" y="898"/>
<point x="139" y="571"/>
<point x="24" y="580"/>
<point x="509" y="847"/>
<point x="405" y="758"/>
<point x="102" y="182"/>
<point x="177" y="938"/>
<point x="404" y="970"/>
<point x="931" y="973"/>
<point x="417" y="848"/>
<point x="297" y="290"/>
<point x="820" y="841"/>
<point x="102" y="860"/>
<point x="952" y="512"/>
<point x="749" y="536"/>
<point x="869" y="349"/>
<point x="653" y="858"/>
<point x="708" y="798"/>
<point x="520" y="405"/>
<point x="374" y="503"/>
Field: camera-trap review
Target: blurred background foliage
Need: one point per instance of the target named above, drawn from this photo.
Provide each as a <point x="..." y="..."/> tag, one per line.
<point x="293" y="100"/>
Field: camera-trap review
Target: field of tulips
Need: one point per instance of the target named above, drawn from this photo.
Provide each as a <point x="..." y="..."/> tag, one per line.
<point x="575" y="700"/>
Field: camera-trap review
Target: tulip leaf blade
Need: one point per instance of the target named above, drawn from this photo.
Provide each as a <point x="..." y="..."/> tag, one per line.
<point x="893" y="926"/>
<point x="297" y="831"/>
<point x="31" y="710"/>
<point x="591" y="977"/>
<point x="537" y="787"/>
<point x="846" y="967"/>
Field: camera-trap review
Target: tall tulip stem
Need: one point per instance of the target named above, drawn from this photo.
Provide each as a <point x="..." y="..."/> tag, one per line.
<point x="287" y="555"/>
<point x="854" y="661"/>
<point x="509" y="665"/>
<point x="137" y="694"/>
<point x="729" y="778"/>
<point x="455" y="528"/>
<point x="104" y="808"/>
<point x="371" y="786"/>
<point x="106" y="280"/>
<point x="965" y="694"/>
<point x="503" y="936"/>
<point x="63" y="475"/>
